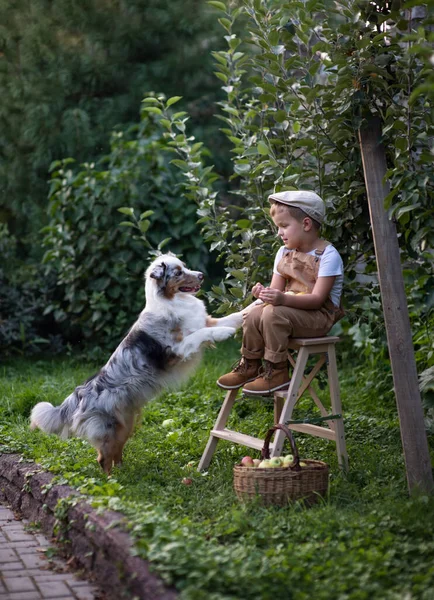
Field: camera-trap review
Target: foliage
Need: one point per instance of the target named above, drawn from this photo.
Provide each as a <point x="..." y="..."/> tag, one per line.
<point x="98" y="265"/>
<point x="71" y="72"/>
<point x="23" y="329"/>
<point x="366" y="540"/>
<point x="300" y="81"/>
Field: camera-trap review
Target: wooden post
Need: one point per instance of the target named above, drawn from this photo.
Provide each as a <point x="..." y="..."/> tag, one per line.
<point x="405" y="379"/>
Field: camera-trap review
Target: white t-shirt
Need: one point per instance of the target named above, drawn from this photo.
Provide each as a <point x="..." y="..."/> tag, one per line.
<point x="330" y="265"/>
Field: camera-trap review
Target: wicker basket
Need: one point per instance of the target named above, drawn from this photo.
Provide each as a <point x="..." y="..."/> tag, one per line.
<point x="280" y="485"/>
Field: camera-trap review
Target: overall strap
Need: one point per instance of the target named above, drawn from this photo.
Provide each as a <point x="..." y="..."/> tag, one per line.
<point x="319" y="250"/>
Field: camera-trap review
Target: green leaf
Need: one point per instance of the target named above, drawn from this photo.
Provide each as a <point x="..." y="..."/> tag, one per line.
<point x="144" y="226"/>
<point x="243" y="223"/>
<point x="153" y="109"/>
<point x="405" y="209"/>
<point x="237" y="292"/>
<point x="218" y="5"/>
<point x="226" y="24"/>
<point x="146" y="214"/>
<point x="181" y="164"/>
<point x="241" y="275"/>
<point x="263" y="148"/>
<point x="173" y="100"/>
<point x="163" y="243"/>
<point x="126" y="210"/>
<point x="221" y="76"/>
<point x="242" y="168"/>
<point x="127" y="224"/>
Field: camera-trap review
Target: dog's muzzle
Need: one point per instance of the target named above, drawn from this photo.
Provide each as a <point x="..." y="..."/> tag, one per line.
<point x="195" y="286"/>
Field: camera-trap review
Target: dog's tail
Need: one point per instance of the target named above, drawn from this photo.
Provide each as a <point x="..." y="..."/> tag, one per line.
<point x="54" y="419"/>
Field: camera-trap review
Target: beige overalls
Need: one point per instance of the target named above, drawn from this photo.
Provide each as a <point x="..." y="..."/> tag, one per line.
<point x="267" y="328"/>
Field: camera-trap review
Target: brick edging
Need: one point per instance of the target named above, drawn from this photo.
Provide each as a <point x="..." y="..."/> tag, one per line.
<point x="98" y="542"/>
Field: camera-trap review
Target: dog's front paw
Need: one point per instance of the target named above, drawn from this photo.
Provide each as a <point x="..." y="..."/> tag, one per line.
<point x="234" y="320"/>
<point x="222" y="333"/>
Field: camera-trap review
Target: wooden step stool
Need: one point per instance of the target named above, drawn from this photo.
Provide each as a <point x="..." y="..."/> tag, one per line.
<point x="285" y="401"/>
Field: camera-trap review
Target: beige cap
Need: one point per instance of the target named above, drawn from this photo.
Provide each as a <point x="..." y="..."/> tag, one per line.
<point x="308" y="202"/>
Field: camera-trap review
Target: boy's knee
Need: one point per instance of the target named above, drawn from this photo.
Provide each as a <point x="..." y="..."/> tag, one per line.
<point x="253" y="317"/>
<point x="272" y="313"/>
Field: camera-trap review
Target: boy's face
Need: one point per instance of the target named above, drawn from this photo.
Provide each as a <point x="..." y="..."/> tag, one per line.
<point x="291" y="231"/>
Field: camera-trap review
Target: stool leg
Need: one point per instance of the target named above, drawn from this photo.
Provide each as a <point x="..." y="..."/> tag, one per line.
<point x="291" y="399"/>
<point x="278" y="407"/>
<point x="341" y="447"/>
<point x="219" y="424"/>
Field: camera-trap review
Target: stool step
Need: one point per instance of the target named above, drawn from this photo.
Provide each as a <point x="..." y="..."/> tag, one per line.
<point x="238" y="438"/>
<point x="322" y="432"/>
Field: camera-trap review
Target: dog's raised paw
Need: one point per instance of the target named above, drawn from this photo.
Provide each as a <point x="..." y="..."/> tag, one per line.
<point x="222" y="333"/>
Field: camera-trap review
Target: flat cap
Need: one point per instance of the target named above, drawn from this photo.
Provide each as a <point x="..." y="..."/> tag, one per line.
<point x="308" y="202"/>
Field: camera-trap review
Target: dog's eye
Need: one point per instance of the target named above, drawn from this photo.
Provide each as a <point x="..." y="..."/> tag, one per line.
<point x="178" y="273"/>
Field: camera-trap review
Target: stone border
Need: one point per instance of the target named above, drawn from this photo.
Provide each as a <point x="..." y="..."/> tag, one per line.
<point x="98" y="542"/>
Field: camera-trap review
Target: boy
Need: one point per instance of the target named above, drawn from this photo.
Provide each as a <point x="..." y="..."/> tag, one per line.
<point x="303" y="299"/>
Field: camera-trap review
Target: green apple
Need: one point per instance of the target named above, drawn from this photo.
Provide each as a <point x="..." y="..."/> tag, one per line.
<point x="276" y="462"/>
<point x="303" y="464"/>
<point x="256" y="462"/>
<point x="288" y="458"/>
<point x="265" y="464"/>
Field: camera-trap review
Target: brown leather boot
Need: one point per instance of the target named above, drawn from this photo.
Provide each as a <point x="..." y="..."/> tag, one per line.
<point x="246" y="370"/>
<point x="274" y="377"/>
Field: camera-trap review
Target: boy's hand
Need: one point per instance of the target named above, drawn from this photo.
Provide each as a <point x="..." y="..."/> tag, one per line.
<point x="272" y="296"/>
<point x="257" y="289"/>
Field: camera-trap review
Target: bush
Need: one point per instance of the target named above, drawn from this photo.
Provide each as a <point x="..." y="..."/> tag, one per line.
<point x="98" y="265"/>
<point x="24" y="291"/>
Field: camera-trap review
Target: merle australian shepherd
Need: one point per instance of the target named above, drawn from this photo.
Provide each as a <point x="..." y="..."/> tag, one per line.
<point x="162" y="348"/>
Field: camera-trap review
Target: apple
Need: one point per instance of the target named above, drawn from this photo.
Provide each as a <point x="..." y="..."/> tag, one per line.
<point x="265" y="464"/>
<point x="247" y="461"/>
<point x="187" y="481"/>
<point x="168" y="423"/>
<point x="288" y="460"/>
<point x="276" y="462"/>
<point x="256" y="462"/>
<point x="303" y="464"/>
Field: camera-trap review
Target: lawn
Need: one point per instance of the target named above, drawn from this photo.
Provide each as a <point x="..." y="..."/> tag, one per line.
<point x="366" y="540"/>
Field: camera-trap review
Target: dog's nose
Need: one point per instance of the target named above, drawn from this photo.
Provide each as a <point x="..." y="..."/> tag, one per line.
<point x="200" y="276"/>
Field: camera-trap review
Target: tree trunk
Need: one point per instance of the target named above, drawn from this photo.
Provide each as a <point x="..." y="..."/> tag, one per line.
<point x="397" y="321"/>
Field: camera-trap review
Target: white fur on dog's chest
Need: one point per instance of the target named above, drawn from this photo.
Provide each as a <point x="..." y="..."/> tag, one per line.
<point x="191" y="314"/>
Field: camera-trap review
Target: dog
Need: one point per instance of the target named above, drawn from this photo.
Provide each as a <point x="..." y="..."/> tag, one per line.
<point x="161" y="350"/>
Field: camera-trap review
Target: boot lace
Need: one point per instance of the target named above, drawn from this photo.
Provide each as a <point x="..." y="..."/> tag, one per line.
<point x="240" y="366"/>
<point x="266" y="371"/>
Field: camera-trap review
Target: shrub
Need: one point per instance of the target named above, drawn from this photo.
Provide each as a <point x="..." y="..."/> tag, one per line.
<point x="99" y="265"/>
<point x="24" y="290"/>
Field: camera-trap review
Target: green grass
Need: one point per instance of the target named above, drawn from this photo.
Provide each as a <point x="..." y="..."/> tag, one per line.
<point x="366" y="540"/>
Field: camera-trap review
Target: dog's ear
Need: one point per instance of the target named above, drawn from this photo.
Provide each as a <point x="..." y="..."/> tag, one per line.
<point x="158" y="271"/>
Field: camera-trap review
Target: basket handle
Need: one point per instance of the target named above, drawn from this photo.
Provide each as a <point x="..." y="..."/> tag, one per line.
<point x="265" y="452"/>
